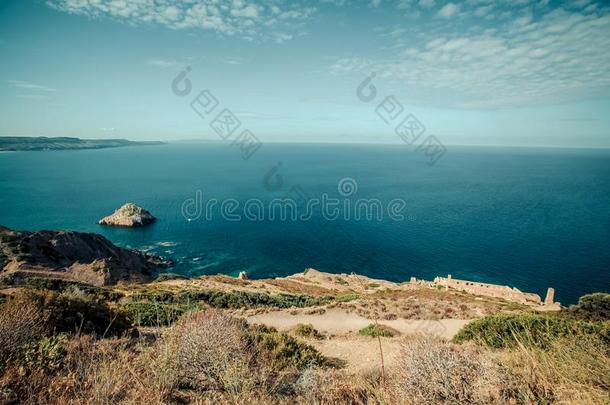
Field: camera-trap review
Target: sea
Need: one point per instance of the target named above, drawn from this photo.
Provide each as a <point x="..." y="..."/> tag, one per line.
<point x="530" y="218"/>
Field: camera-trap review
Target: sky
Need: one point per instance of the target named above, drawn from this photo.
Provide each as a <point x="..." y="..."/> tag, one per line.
<point x="476" y="72"/>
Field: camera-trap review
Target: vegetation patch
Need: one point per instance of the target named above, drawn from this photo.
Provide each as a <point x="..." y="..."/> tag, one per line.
<point x="282" y="350"/>
<point x="153" y="313"/>
<point x="307" y="331"/>
<point x="234" y="299"/>
<point x="347" y="297"/>
<point x="375" y="330"/>
<point x="170" y="276"/>
<point x="592" y="307"/>
<point x="530" y="330"/>
<point x="60" y="285"/>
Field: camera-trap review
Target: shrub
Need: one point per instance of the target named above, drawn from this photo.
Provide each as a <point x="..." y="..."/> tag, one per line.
<point x="570" y="370"/>
<point x="48" y="353"/>
<point x="433" y="372"/>
<point x="206" y="351"/>
<point x="375" y="330"/>
<point x="506" y="330"/>
<point x="307" y="330"/>
<point x="61" y="285"/>
<point x="592" y="307"/>
<point x="71" y="314"/>
<point x="281" y="350"/>
<point x="339" y="280"/>
<point x="233" y="299"/>
<point x="21" y="324"/>
<point x="347" y="297"/>
<point x="153" y="313"/>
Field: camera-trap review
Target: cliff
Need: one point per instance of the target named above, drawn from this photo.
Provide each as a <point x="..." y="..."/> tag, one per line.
<point x="78" y="256"/>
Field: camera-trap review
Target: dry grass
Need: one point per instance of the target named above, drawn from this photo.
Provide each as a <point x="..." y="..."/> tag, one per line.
<point x="21" y="322"/>
<point x="572" y="371"/>
<point x="434" y="372"/>
<point x="296" y="287"/>
<point x="210" y="357"/>
<point x="205" y="351"/>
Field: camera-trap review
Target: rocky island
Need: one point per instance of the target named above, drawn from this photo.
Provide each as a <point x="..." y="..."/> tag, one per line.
<point x="84" y="257"/>
<point x="129" y="215"/>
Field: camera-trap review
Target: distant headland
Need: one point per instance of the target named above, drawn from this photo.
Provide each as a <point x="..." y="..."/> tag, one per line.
<point x="26" y="143"/>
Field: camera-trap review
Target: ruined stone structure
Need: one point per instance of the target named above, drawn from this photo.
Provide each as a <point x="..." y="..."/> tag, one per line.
<point x="489" y="290"/>
<point x="550" y="296"/>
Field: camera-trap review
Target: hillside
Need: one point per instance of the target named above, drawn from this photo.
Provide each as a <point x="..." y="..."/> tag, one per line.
<point x="23" y="143"/>
<point x="312" y="337"/>
<point x="75" y="256"/>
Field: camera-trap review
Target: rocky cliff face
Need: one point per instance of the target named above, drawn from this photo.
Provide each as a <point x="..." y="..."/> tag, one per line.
<point x="129" y="215"/>
<point x="84" y="257"/>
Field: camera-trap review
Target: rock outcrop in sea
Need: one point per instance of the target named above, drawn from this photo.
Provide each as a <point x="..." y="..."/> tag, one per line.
<point x="84" y="257"/>
<point x="129" y="215"/>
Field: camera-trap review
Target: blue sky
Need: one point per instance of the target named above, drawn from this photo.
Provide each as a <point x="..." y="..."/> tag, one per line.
<point x="519" y="72"/>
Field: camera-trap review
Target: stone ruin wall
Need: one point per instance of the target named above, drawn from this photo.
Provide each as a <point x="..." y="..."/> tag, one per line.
<point x="484" y="289"/>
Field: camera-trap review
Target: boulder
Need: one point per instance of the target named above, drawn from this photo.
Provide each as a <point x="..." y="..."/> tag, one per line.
<point x="129" y="215"/>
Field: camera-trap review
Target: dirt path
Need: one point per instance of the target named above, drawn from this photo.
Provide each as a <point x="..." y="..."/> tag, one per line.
<point x="342" y="342"/>
<point x="339" y="322"/>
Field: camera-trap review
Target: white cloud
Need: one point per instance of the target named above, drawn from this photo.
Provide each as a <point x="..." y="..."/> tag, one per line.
<point x="375" y="3"/>
<point x="426" y="3"/>
<point x="560" y="55"/>
<point x="448" y="10"/>
<point x="249" y="20"/>
<point x="164" y="63"/>
<point x="30" y="86"/>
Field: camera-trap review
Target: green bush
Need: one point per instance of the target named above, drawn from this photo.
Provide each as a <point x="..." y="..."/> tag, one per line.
<point x="233" y="299"/>
<point x="307" y="330"/>
<point x="378" y="330"/>
<point x="152" y="313"/>
<point x="347" y="297"/>
<point x="531" y="330"/>
<point x="47" y="354"/>
<point x="280" y="349"/>
<point x="592" y="307"/>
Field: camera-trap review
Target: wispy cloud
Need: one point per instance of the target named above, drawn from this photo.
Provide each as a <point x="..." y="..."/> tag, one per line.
<point x="250" y="20"/>
<point x="30" y="86"/>
<point x="448" y="10"/>
<point x="233" y="61"/>
<point x="555" y="55"/>
<point x="35" y="97"/>
<point x="164" y="63"/>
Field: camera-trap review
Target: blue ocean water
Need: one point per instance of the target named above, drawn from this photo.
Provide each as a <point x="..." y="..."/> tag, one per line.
<point x="529" y="218"/>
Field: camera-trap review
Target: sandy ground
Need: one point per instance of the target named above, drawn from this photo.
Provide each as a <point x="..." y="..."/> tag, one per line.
<point x="339" y="322"/>
<point x="342" y="342"/>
